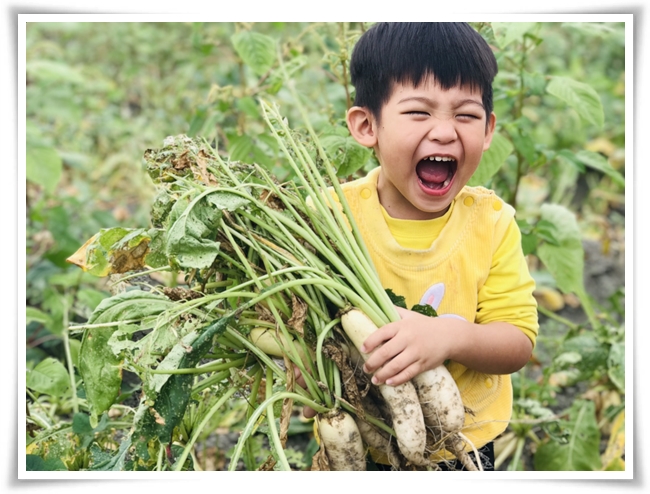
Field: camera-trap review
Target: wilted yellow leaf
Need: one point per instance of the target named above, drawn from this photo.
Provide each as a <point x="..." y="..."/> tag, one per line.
<point x="113" y="251"/>
<point x="79" y="258"/>
<point x="612" y="458"/>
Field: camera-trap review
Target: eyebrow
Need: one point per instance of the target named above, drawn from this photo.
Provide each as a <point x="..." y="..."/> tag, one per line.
<point x="431" y="102"/>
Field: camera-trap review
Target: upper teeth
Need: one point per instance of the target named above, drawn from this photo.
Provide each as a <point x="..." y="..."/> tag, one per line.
<point x="440" y="158"/>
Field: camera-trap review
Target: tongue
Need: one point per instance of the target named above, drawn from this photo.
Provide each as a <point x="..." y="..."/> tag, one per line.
<point x="433" y="172"/>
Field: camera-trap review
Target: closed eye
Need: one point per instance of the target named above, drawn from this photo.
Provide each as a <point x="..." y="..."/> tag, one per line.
<point x="468" y="116"/>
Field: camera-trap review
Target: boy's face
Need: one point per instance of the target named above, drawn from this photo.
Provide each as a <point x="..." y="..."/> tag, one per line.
<point x="429" y="143"/>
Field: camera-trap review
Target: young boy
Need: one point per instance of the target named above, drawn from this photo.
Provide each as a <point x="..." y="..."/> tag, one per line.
<point x="424" y="104"/>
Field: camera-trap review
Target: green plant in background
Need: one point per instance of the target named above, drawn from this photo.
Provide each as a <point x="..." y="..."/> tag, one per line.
<point x="99" y="95"/>
<point x="541" y="176"/>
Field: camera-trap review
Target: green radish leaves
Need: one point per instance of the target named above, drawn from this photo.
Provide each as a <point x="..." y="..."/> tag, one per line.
<point x="400" y="301"/>
<point x="190" y="239"/>
<point x="167" y="399"/>
<point x="557" y="241"/>
<point x="99" y="366"/>
<point x="591" y="354"/>
<point x="129" y="306"/>
<point x="397" y="300"/>
<point x="425" y="309"/>
<point x="106" y="462"/>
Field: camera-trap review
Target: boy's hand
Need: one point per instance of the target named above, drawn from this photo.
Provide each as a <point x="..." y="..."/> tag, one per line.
<point x="403" y="349"/>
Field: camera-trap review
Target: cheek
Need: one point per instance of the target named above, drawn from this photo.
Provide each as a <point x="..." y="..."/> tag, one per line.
<point x="478" y="146"/>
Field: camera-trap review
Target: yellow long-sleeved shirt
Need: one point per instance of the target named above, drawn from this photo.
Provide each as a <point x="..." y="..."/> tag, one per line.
<point x="467" y="263"/>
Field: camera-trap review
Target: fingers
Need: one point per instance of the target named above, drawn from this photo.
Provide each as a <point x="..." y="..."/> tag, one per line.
<point x="383" y="334"/>
<point x="383" y="355"/>
<point x="401" y="377"/>
<point x="395" y="374"/>
<point x="383" y="345"/>
<point x="397" y="370"/>
<point x="391" y="363"/>
<point x="307" y="412"/>
<point x="300" y="380"/>
<point x="394" y="358"/>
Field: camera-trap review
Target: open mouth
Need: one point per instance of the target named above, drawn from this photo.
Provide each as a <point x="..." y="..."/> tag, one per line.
<point x="436" y="172"/>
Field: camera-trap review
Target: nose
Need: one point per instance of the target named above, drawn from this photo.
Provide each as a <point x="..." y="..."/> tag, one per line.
<point x="442" y="129"/>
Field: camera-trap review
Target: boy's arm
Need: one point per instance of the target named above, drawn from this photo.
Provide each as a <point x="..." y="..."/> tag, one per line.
<point x="500" y="341"/>
<point x="416" y="343"/>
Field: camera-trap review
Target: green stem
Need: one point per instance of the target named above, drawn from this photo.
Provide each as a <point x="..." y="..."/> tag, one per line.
<point x="343" y="260"/>
<point x="143" y="273"/>
<point x="552" y="315"/>
<point x="254" y="390"/>
<point x="273" y="432"/>
<point x="345" y="219"/>
<point x="506" y="452"/>
<point x="514" y="463"/>
<point x="309" y="176"/>
<point x="319" y="353"/>
<point x="211" y="367"/>
<point x="159" y="462"/>
<point x="252" y="422"/>
<point x="202" y="425"/>
<point x="209" y="381"/>
<point x="358" y="257"/>
<point x="102" y="325"/>
<point x="375" y="421"/>
<point x="518" y="112"/>
<point x="214" y="284"/>
<point x="249" y="457"/>
<point x="68" y="355"/>
<point x="587" y="307"/>
<point x="245" y="262"/>
<point x="258" y="353"/>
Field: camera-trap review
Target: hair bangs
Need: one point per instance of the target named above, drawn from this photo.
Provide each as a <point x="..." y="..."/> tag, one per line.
<point x="452" y="53"/>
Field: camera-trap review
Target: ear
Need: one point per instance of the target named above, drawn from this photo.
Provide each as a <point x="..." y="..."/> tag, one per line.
<point x="489" y="131"/>
<point x="362" y="126"/>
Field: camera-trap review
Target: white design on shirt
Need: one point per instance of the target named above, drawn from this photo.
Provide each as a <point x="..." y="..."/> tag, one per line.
<point x="433" y="296"/>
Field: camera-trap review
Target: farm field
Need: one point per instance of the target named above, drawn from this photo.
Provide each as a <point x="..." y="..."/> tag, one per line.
<point x="123" y="119"/>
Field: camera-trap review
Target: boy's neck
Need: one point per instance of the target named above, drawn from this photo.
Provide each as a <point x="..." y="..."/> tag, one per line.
<point x="398" y="207"/>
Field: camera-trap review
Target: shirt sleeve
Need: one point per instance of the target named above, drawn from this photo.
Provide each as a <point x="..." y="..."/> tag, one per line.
<point x="507" y="294"/>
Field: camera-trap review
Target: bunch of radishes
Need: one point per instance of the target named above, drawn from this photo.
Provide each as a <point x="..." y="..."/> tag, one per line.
<point x="284" y="266"/>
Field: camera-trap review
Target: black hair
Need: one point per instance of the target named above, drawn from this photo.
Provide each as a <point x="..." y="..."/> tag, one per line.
<point x="402" y="52"/>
